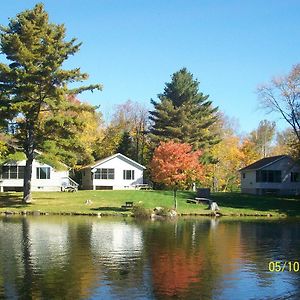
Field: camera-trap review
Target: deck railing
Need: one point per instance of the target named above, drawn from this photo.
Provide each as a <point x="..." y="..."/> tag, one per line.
<point x="68" y="184"/>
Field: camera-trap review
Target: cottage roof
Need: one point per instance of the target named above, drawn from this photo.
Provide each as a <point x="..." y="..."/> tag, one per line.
<point x="101" y="161"/>
<point x="262" y="163"/>
<point x="39" y="157"/>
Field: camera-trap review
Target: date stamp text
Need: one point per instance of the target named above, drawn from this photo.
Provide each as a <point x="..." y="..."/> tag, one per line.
<point x="281" y="266"/>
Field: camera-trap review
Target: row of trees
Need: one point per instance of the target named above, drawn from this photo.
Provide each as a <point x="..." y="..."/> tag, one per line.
<point x="39" y="113"/>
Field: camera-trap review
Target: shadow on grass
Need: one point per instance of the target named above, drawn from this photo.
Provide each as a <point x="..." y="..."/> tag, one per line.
<point x="183" y="194"/>
<point x="286" y="205"/>
<point x="109" y="208"/>
<point x="12" y="200"/>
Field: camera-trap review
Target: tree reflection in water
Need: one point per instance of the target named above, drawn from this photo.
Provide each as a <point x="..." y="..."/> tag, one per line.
<point x="83" y="258"/>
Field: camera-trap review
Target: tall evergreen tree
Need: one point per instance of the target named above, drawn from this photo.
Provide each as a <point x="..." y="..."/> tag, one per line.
<point x="126" y="147"/>
<point x="184" y="114"/>
<point x="34" y="81"/>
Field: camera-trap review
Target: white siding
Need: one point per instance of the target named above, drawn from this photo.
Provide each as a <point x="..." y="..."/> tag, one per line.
<point x="249" y="181"/>
<point x="119" y="164"/>
<point x="52" y="184"/>
<point x="286" y="166"/>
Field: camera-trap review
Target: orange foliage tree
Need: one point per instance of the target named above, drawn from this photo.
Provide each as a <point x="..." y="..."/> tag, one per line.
<point x="176" y="165"/>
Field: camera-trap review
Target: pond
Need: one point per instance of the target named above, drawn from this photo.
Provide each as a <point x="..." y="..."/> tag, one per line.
<point x="102" y="258"/>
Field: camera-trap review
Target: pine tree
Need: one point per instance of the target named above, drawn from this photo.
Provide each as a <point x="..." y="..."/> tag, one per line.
<point x="34" y="81"/>
<point x="126" y="147"/>
<point x="184" y="114"/>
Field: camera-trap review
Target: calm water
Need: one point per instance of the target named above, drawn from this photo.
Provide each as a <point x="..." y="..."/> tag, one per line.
<point x="91" y="258"/>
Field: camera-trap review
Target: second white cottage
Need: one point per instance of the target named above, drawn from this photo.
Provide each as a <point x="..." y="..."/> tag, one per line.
<point x="116" y="172"/>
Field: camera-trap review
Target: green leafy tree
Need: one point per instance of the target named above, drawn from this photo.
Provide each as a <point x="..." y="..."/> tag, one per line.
<point x="34" y="82"/>
<point x="9" y="150"/>
<point x="184" y="114"/>
<point x="71" y="134"/>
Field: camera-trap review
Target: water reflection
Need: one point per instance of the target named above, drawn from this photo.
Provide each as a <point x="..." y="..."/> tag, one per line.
<point x="89" y="258"/>
<point x="46" y="243"/>
<point x="190" y="262"/>
<point x="116" y="241"/>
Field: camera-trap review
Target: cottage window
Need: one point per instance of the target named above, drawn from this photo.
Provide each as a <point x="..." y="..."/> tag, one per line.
<point x="128" y="174"/>
<point x="12" y="172"/>
<point x="268" y="176"/>
<point x="104" y="174"/>
<point x="244" y="175"/>
<point x="5" y="172"/>
<point x="21" y="171"/>
<point x="295" y="177"/>
<point x="43" y="173"/>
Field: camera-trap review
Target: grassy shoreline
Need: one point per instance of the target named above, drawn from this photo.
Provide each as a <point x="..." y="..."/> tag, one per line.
<point x="108" y="203"/>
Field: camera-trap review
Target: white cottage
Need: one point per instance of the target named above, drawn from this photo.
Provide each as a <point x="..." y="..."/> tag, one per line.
<point x="116" y="172"/>
<point x="271" y="175"/>
<point x="44" y="177"/>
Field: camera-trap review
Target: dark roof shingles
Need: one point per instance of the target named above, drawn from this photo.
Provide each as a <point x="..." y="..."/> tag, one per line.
<point x="263" y="162"/>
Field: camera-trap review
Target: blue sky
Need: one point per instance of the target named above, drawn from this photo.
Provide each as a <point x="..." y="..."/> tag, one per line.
<point x="133" y="47"/>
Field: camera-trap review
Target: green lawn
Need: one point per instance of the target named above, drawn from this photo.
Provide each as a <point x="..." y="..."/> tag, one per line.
<point x="110" y="202"/>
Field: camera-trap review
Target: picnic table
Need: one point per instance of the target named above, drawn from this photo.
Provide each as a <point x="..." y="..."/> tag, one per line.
<point x="142" y="186"/>
<point x="128" y="205"/>
<point x="199" y="200"/>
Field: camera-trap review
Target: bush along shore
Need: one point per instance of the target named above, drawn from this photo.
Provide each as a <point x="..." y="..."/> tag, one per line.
<point x="137" y="203"/>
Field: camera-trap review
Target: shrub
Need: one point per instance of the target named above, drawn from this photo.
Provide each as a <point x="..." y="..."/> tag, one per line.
<point x="139" y="211"/>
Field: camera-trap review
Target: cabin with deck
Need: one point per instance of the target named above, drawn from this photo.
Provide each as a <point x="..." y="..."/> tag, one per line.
<point x="44" y="177"/>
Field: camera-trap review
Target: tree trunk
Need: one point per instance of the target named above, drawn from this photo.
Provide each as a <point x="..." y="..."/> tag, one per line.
<point x="27" y="181"/>
<point x="137" y="147"/>
<point x="143" y="147"/>
<point x="175" y="199"/>
<point x="29" y="150"/>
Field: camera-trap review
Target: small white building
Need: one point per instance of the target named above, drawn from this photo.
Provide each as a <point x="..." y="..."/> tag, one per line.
<point x="44" y="177"/>
<point x="116" y="172"/>
<point x="271" y="175"/>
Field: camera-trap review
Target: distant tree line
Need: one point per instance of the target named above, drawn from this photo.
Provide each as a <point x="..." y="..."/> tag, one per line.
<point x="40" y="113"/>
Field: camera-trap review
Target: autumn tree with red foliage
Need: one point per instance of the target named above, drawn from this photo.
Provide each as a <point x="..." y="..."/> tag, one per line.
<point x="176" y="165"/>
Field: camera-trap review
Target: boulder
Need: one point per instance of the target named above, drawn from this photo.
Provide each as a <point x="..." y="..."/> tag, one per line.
<point x="214" y="206"/>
